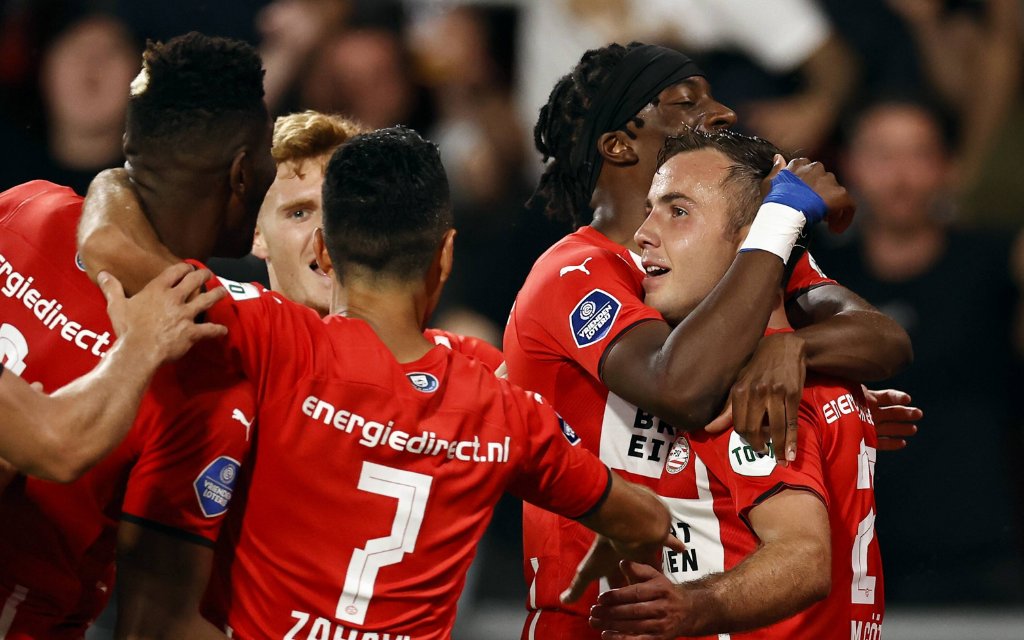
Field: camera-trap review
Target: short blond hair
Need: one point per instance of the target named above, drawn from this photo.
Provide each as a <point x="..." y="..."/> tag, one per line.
<point x="310" y="134"/>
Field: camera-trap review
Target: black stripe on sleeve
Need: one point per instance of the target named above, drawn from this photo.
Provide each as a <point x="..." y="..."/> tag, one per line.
<point x="168" y="530"/>
<point x="615" y="340"/>
<point x="600" y="501"/>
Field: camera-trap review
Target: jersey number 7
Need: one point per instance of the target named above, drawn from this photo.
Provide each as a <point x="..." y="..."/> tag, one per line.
<point x="411" y="489"/>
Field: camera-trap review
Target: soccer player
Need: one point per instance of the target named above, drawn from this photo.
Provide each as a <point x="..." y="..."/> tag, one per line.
<point x="580" y="335"/>
<point x="763" y="541"/>
<point x="292" y="209"/>
<point x="61" y="435"/>
<point x="198" y="146"/>
<point x="364" y="415"/>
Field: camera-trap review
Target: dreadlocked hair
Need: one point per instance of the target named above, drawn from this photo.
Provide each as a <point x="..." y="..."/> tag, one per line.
<point x="562" y="189"/>
<point x="192" y="84"/>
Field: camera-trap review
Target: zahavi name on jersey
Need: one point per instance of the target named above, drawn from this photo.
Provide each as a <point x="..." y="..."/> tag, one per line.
<point x="324" y="629"/>
<point x="379" y="434"/>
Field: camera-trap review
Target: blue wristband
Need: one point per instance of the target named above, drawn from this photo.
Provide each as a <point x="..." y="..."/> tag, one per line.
<point x="789" y="190"/>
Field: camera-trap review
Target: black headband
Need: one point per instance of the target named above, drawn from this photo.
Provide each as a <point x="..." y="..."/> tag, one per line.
<point x="645" y="72"/>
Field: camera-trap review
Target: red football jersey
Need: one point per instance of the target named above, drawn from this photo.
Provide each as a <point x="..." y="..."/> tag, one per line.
<point x="420" y="451"/>
<point x="806" y="275"/>
<point x="580" y="296"/>
<point x="712" y="482"/>
<point x="483" y="351"/>
<point x="174" y="469"/>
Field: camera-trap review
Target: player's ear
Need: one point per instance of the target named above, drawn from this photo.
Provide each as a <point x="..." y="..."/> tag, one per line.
<point x="323" y="259"/>
<point x="446" y="255"/>
<point x="259" y="244"/>
<point x="241" y="170"/>
<point x="617" y="148"/>
<point x="438" y="273"/>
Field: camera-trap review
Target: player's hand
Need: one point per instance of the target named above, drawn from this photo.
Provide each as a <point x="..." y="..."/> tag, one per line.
<point x="839" y="202"/>
<point x="766" y="396"/>
<point x="160" y="319"/>
<point x="650" y="608"/>
<point x="602" y="561"/>
<point x="894" y="419"/>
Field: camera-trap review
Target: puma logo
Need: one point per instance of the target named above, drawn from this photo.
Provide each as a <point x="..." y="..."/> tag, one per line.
<point x="237" y="414"/>
<point x="576" y="267"/>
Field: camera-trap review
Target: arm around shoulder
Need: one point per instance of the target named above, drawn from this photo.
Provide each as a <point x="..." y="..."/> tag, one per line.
<point x="845" y="336"/>
<point x="115" y="236"/>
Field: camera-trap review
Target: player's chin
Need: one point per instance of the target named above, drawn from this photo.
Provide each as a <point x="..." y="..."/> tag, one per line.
<point x="670" y="309"/>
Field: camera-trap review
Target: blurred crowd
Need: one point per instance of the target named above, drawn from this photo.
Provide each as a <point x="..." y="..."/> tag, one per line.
<point x="915" y="104"/>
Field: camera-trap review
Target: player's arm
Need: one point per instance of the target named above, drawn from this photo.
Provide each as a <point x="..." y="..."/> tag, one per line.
<point x="790" y="571"/>
<point x="557" y="474"/>
<point x="161" y="578"/>
<point x="115" y="236"/>
<point x="60" y="436"/>
<point x="844" y="336"/>
<point x="683" y="374"/>
<point x="839" y="334"/>
<point x="631" y="523"/>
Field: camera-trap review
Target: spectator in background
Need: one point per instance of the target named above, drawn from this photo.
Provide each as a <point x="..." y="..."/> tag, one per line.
<point x="291" y="31"/>
<point x="780" y="62"/>
<point x="971" y="54"/>
<point x="481" y="142"/>
<point x="950" y="533"/>
<point x="365" y="74"/>
<point x="83" y="78"/>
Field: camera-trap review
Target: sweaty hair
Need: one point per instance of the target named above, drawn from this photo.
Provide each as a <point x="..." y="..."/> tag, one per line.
<point x="194" y="89"/>
<point x="558" y="129"/>
<point x="311" y="134"/>
<point x="386" y="204"/>
<point x="752" y="160"/>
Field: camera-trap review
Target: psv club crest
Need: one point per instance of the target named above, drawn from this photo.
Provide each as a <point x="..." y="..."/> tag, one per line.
<point x="678" y="455"/>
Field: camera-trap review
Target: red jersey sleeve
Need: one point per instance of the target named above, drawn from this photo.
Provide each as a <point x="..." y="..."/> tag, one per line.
<point x="584" y="301"/>
<point x="806" y="275"/>
<point x="753" y="478"/>
<point x="555" y="472"/>
<point x="193" y="430"/>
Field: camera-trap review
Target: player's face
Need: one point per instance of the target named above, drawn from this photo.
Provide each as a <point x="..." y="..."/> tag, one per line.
<point x="284" y="234"/>
<point x="687" y="105"/>
<point x="685" y="242"/>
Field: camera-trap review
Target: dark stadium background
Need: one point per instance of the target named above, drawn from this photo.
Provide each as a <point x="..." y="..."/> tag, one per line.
<point x="470" y="75"/>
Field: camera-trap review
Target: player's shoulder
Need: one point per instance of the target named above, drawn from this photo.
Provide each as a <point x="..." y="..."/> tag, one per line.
<point x="473" y="383"/>
<point x="481" y="350"/>
<point x="197" y="377"/>
<point x="829" y="399"/>
<point x="583" y="253"/>
<point x="264" y="301"/>
<point x="42" y="214"/>
<point x="37" y="195"/>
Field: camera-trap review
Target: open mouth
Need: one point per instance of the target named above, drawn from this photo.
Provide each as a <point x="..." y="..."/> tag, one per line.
<point x="653" y="270"/>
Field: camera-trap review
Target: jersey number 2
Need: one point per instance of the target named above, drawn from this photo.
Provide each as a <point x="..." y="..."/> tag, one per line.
<point x="862" y="591"/>
<point x="411" y="490"/>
